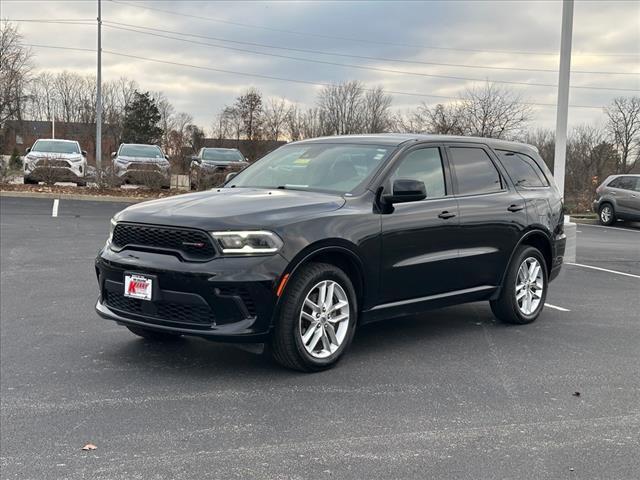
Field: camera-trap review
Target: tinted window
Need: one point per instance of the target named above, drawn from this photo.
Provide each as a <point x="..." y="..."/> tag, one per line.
<point x="626" y="183"/>
<point x="523" y="170"/>
<point x="338" y="167"/>
<point x="424" y="165"/>
<point x="475" y="172"/>
<point x="55" y="146"/>
<point x="147" y="151"/>
<point x="222" y="155"/>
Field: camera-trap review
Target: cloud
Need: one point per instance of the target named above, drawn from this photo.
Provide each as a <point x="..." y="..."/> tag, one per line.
<point x="403" y="30"/>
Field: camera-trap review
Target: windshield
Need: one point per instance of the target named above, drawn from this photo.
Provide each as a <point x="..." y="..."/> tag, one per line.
<point x="222" y="155"/>
<point x="147" y="151"/>
<point x="317" y="166"/>
<point x="55" y="146"/>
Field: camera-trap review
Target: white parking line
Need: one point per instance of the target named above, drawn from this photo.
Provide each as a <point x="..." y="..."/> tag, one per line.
<point x="623" y="229"/>
<point x="54" y="212"/>
<point x="604" y="270"/>
<point x="562" y="309"/>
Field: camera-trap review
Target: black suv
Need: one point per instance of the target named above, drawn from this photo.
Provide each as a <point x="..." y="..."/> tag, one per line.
<point x="323" y="235"/>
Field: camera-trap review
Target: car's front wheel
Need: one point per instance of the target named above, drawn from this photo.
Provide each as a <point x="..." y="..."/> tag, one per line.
<point x="154" y="335"/>
<point x="606" y="214"/>
<point x="525" y="288"/>
<point x="317" y="318"/>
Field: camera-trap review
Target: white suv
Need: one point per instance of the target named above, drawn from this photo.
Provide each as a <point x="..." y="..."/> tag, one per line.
<point x="50" y="160"/>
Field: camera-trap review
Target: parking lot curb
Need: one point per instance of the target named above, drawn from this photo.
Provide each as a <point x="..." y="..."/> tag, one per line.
<point x="71" y="196"/>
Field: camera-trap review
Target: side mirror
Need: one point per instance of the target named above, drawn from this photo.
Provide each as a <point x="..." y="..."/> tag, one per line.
<point x="230" y="176"/>
<point x="28" y="150"/>
<point x="166" y="156"/>
<point x="405" y="190"/>
<point x="84" y="153"/>
<point x="113" y="154"/>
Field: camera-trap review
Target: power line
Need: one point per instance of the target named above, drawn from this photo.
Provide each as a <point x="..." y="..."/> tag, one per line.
<point x="333" y="37"/>
<point x="283" y="79"/>
<point x="363" y="67"/>
<point x="62" y="21"/>
<point x="363" y="57"/>
<point x="321" y="84"/>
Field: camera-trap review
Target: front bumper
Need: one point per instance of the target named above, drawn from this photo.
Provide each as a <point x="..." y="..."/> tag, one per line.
<point x="71" y="173"/>
<point x="225" y="299"/>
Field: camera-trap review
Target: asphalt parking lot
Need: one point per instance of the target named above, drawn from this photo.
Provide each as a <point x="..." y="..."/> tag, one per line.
<point x="451" y="394"/>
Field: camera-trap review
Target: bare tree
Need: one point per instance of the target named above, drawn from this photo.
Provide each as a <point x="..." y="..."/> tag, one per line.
<point x="545" y="142"/>
<point x="377" y="114"/>
<point x="342" y="107"/>
<point x="445" y="119"/>
<point x="494" y="111"/>
<point x="623" y="124"/>
<point x="15" y="72"/>
<point x="275" y="116"/>
<point x="167" y="116"/>
<point x="249" y="107"/>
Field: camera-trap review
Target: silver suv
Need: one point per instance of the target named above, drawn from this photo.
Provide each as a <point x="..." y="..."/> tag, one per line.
<point x="51" y="160"/>
<point x="142" y="164"/>
<point x="618" y="198"/>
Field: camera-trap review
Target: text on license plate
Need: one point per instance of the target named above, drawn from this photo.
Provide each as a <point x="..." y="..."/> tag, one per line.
<point x="137" y="286"/>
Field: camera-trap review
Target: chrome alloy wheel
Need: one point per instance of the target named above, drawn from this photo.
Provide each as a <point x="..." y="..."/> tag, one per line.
<point x="529" y="286"/>
<point x="605" y="214"/>
<point x="324" y="319"/>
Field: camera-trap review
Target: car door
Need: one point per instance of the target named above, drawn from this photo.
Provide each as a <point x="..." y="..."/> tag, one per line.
<point x="626" y="195"/>
<point x="419" y="249"/>
<point x="492" y="214"/>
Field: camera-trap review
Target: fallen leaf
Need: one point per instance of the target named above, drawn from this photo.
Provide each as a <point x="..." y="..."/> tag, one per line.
<point x="89" y="446"/>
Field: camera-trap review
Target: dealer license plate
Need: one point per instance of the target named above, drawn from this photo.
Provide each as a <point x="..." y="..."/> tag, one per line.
<point x="138" y="286"/>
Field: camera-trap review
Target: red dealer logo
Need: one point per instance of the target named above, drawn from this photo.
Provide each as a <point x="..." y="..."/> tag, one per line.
<point x="135" y="286"/>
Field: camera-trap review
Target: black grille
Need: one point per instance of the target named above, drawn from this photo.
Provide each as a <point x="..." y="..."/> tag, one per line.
<point x="243" y="294"/>
<point x="143" y="167"/>
<point x="191" y="244"/>
<point x="165" y="311"/>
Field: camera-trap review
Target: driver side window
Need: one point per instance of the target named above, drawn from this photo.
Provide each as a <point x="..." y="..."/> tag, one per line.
<point x="425" y="165"/>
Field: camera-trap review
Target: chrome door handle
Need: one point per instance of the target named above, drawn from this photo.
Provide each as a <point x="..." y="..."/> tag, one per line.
<point x="445" y="215"/>
<point x="515" y="208"/>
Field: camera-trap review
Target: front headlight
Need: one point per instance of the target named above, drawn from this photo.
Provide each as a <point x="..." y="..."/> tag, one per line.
<point x="255" y="242"/>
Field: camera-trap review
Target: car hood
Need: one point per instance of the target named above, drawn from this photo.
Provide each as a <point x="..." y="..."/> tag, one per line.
<point x="232" y="208"/>
<point x="218" y="163"/>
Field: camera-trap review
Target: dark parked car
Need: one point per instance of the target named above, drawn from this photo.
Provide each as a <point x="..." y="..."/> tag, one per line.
<point x="211" y="161"/>
<point x="618" y="198"/>
<point x="143" y="164"/>
<point x="55" y="160"/>
<point x="324" y="235"/>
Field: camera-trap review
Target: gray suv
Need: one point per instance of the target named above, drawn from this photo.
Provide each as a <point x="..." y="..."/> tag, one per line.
<point x="618" y="198"/>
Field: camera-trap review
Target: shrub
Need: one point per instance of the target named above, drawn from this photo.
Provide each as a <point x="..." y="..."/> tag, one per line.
<point x="15" y="162"/>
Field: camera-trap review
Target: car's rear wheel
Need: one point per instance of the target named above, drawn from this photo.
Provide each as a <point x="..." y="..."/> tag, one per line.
<point x="525" y="288"/>
<point x="28" y="181"/>
<point x="606" y="214"/>
<point x="317" y="319"/>
<point x="154" y="335"/>
<point x="81" y="184"/>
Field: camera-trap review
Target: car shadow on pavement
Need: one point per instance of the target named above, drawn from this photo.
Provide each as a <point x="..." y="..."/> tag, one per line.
<point x="195" y="357"/>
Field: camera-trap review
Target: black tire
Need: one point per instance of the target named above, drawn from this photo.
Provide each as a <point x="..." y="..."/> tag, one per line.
<point x="81" y="184"/>
<point x="505" y="307"/>
<point x="154" y="335"/>
<point x="286" y="346"/>
<point x="28" y="181"/>
<point x="608" y="219"/>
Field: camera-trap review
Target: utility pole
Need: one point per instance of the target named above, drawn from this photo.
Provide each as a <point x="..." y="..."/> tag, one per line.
<point x="99" y="96"/>
<point x="53" y="126"/>
<point x="560" y="156"/>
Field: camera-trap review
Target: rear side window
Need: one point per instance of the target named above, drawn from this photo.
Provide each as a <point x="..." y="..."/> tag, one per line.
<point x="523" y="170"/>
<point x="625" y="183"/>
<point x="425" y="165"/>
<point x="475" y="172"/>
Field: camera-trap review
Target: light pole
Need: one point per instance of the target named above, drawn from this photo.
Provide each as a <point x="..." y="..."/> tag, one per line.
<point x="563" y="95"/>
<point x="99" y="95"/>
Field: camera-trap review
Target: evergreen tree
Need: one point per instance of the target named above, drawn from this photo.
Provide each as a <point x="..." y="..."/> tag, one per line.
<point x="141" y="118"/>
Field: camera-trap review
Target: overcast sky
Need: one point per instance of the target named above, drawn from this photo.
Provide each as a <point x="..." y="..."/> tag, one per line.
<point x="606" y="38"/>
